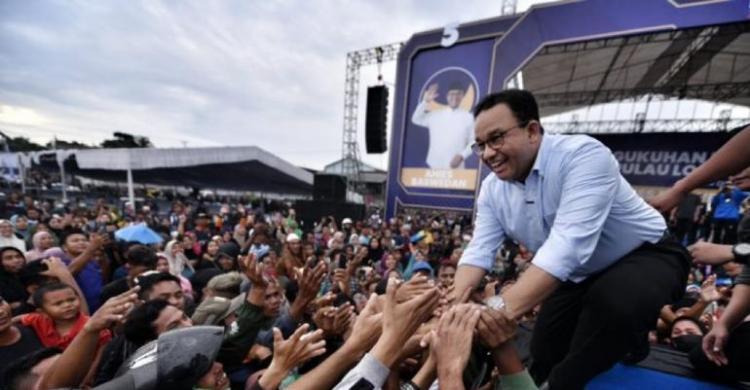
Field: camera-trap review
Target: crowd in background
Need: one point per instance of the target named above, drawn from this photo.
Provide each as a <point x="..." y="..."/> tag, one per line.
<point x="343" y="303"/>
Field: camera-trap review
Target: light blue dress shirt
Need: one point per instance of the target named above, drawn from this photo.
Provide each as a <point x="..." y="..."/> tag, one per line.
<point x="575" y="211"/>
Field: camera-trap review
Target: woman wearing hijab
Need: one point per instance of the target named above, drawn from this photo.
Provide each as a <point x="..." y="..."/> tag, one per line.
<point x="42" y="241"/>
<point x="9" y="238"/>
<point x="179" y="265"/>
<point x="11" y="288"/>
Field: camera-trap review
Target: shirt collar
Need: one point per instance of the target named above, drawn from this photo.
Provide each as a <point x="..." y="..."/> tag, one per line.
<point x="541" y="157"/>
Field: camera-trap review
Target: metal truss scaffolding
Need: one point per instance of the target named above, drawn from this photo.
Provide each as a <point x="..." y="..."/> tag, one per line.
<point x="354" y="61"/>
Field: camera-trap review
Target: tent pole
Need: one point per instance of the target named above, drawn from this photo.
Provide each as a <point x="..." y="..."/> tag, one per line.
<point x="62" y="181"/>
<point x="22" y="171"/>
<point x="131" y="190"/>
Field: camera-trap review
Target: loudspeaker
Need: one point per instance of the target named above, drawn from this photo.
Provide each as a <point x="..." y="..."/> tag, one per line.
<point x="375" y="123"/>
<point x="329" y="187"/>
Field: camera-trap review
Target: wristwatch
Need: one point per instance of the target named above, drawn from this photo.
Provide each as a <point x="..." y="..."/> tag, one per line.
<point x="741" y="253"/>
<point x="496" y="302"/>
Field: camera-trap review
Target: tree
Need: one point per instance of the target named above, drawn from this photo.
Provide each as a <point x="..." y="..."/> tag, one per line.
<point x="61" y="144"/>
<point x="23" y="144"/>
<point x="125" y="140"/>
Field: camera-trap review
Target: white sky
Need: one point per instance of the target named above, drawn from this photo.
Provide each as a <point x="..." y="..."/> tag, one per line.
<point x="202" y="73"/>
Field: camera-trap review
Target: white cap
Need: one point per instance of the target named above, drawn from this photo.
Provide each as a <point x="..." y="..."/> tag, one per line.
<point x="292" y="237"/>
<point x="346" y="221"/>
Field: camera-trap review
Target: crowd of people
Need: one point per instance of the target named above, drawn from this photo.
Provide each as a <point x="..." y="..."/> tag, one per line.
<point x="342" y="304"/>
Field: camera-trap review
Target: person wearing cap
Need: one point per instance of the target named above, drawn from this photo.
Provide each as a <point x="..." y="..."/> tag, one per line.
<point x="219" y="302"/>
<point x="291" y="258"/>
<point x="422" y="268"/>
<point x="450" y="128"/>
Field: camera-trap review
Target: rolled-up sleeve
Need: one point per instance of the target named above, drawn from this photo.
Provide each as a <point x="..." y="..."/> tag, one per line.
<point x="589" y="187"/>
<point x="488" y="232"/>
<point x="369" y="373"/>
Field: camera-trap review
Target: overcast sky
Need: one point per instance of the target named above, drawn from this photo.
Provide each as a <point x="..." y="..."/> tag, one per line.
<point x="201" y="73"/>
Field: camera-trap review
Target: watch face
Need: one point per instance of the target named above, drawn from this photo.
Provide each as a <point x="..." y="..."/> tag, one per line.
<point x="742" y="249"/>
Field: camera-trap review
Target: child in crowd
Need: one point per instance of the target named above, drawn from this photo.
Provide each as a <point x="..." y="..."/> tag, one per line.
<point x="58" y="318"/>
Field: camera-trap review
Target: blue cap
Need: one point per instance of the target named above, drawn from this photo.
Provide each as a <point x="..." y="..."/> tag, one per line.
<point x="421" y="266"/>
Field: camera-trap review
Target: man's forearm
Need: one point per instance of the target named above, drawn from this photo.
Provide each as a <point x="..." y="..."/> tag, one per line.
<point x="533" y="287"/>
<point x="327" y="373"/>
<point x="70" y="369"/>
<point x="467" y="278"/>
<point x="729" y="159"/>
<point x="79" y="262"/>
<point x="738" y="307"/>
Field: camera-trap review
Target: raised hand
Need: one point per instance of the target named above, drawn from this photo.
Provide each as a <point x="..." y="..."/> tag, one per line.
<point x="401" y="319"/>
<point x="431" y="93"/>
<point x="451" y="344"/>
<point x="495" y="328"/>
<point x="714" y="343"/>
<point x="113" y="311"/>
<point x="290" y="353"/>
<point x="55" y="267"/>
<point x="709" y="293"/>
<point x="367" y="327"/>
<point x="254" y="270"/>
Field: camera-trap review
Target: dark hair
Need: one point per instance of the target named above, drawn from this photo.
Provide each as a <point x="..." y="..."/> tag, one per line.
<point x="19" y="372"/>
<point x="147" y="282"/>
<point x="520" y="102"/>
<point x="139" y="328"/>
<point x="141" y="255"/>
<point x="69" y="232"/>
<point x="38" y="297"/>
<point x="31" y="273"/>
<point x="687" y="318"/>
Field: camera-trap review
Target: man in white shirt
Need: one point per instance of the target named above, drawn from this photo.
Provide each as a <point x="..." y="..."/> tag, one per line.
<point x="451" y="128"/>
<point x="603" y="266"/>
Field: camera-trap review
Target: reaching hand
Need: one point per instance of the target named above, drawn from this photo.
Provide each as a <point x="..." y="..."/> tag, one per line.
<point x="708" y="253"/>
<point x="97" y="241"/>
<point x="451" y="344"/>
<point x="254" y="270"/>
<point x="714" y="343"/>
<point x="55" y="267"/>
<point x="413" y="287"/>
<point x="709" y="293"/>
<point x="310" y="281"/>
<point x="495" y="328"/>
<point x="113" y="311"/>
<point x="290" y="353"/>
<point x="367" y="327"/>
<point x="665" y="201"/>
<point x="298" y="348"/>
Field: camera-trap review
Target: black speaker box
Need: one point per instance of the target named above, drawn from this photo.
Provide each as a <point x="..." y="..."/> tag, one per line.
<point x="375" y="123"/>
<point x="329" y="187"/>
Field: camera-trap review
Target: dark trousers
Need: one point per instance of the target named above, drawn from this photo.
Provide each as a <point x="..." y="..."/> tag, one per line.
<point x="684" y="230"/>
<point x="583" y="329"/>
<point x="737" y="351"/>
<point x="725" y="231"/>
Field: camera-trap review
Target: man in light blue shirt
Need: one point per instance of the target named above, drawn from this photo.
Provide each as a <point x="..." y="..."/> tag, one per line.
<point x="602" y="266"/>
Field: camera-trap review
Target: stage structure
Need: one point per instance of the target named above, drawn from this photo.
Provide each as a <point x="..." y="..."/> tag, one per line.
<point x="570" y="54"/>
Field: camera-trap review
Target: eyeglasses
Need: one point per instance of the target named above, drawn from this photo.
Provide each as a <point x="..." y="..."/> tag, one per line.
<point x="496" y="141"/>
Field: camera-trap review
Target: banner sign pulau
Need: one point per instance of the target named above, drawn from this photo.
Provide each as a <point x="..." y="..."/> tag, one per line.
<point x="660" y="159"/>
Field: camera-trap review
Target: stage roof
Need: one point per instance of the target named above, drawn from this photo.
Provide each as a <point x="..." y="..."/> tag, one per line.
<point x="710" y="63"/>
<point x="246" y="168"/>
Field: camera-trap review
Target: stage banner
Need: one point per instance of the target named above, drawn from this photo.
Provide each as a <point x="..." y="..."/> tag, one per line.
<point x="9" y="169"/>
<point x="660" y="159"/>
<point x="444" y="87"/>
